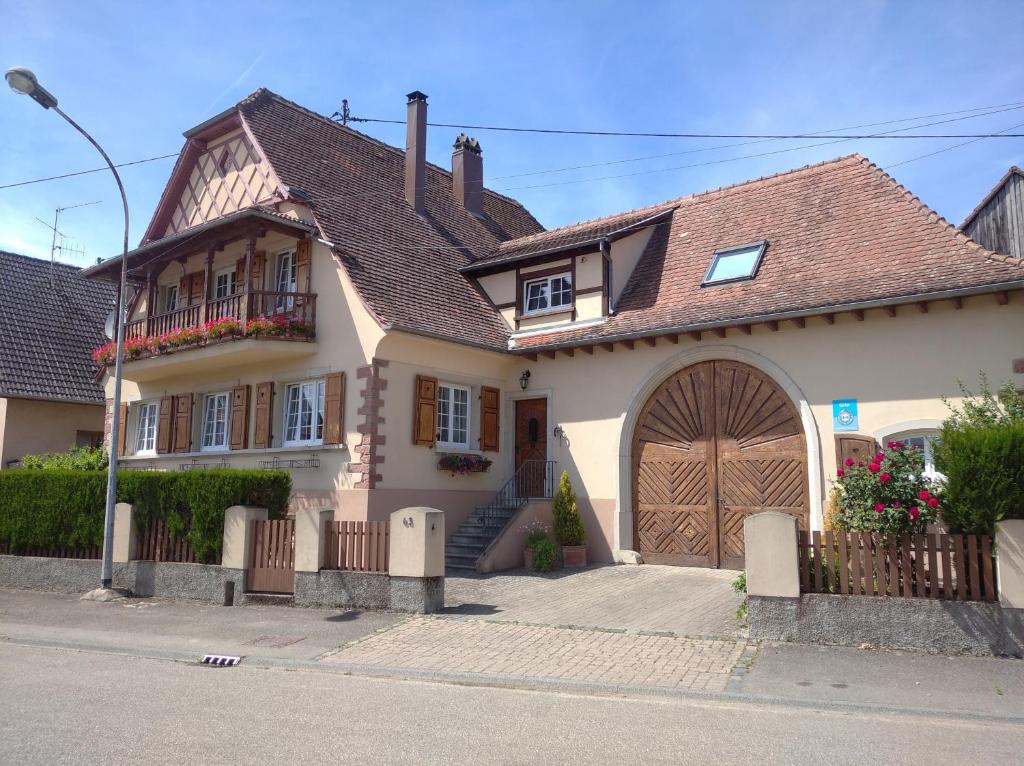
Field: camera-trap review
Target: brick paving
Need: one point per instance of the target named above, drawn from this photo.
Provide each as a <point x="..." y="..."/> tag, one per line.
<point x="679" y="600"/>
<point x="517" y="652"/>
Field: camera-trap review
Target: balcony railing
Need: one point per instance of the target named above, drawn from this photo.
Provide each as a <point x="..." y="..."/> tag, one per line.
<point x="241" y="307"/>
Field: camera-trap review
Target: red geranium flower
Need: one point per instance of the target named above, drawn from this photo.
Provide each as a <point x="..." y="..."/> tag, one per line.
<point x="874" y="468"/>
<point x="933" y="502"/>
<point x="884" y="478"/>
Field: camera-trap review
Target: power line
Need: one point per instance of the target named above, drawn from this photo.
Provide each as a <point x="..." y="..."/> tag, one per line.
<point x="947" y="149"/>
<point x="86" y="172"/>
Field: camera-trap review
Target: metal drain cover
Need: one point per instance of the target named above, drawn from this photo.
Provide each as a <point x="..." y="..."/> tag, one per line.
<point x="219" y="660"/>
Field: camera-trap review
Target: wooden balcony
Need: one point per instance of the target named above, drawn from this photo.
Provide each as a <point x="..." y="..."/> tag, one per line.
<point x="242" y="307"/>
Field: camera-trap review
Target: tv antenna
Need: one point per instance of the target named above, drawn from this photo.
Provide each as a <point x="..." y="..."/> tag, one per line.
<point x="63" y="245"/>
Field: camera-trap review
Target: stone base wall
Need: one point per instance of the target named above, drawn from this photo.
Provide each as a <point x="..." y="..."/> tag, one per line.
<point x="932" y="625"/>
<point x="335" y="589"/>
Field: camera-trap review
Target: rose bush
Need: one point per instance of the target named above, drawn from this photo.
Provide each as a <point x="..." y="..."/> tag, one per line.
<point x="887" y="494"/>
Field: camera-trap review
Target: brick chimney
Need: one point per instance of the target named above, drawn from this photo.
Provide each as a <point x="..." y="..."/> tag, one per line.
<point x="468" y="174"/>
<point x="416" y="151"/>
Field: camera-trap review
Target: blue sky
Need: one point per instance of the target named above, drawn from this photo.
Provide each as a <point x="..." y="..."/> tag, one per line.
<point x="138" y="74"/>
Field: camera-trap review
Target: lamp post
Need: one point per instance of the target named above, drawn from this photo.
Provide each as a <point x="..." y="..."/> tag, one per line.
<point x="23" y="81"/>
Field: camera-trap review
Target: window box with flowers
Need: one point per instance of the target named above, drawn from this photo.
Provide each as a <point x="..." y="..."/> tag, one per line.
<point x="463" y="464"/>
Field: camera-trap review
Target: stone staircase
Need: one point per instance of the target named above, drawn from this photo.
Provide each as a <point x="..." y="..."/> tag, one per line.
<point x="476" y="533"/>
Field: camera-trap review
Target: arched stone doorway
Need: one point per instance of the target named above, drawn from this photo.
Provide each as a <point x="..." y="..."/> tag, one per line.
<point x="714" y="443"/>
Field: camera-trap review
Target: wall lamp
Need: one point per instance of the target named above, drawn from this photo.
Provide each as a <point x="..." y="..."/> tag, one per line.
<point x="524" y="380"/>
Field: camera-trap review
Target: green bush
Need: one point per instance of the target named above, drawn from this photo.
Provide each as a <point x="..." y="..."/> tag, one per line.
<point x="75" y="459"/>
<point x="568" y="523"/>
<point x="65" y="508"/>
<point x="984" y="470"/>
<point x="543" y="554"/>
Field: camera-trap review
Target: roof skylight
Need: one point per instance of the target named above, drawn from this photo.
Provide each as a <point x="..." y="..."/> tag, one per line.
<point x="735" y="263"/>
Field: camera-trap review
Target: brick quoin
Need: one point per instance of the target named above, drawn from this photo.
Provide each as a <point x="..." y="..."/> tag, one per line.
<point x="369" y="429"/>
<point x="108" y="423"/>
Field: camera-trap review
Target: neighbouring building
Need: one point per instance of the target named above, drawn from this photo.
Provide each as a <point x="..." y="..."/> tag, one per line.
<point x="997" y="223"/>
<point x="382" y="327"/>
<point x="50" y="321"/>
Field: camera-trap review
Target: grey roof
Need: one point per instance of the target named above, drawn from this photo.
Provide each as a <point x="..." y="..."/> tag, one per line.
<point x="50" y="321"/>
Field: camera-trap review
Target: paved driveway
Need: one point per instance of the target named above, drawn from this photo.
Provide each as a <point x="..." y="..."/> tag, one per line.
<point x="677" y="600"/>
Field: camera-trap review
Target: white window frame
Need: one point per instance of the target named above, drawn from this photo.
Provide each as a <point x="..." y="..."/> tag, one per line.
<point x="205" y="429"/>
<point x="446" y="415"/>
<point x="547" y="283"/>
<point x="170" y="305"/>
<point x="145" y="429"/>
<point x="927" y="435"/>
<point x="318" y="388"/>
<point x="291" y="285"/>
<point x="230" y="286"/>
<point x="759" y="247"/>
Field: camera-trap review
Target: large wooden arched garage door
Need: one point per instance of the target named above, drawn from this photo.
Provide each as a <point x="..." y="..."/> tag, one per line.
<point x="715" y="443"/>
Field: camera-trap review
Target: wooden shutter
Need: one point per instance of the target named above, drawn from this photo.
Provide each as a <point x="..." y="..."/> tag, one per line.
<point x="424" y="426"/>
<point x="334" y="408"/>
<point x="860" y="448"/>
<point x="182" y="422"/>
<point x="122" y="433"/>
<point x="489" y="418"/>
<point x="183" y="285"/>
<point x="195" y="288"/>
<point x="240" y="417"/>
<point x="302" y="266"/>
<point x="165" y="425"/>
<point x="255" y="272"/>
<point x="264" y="415"/>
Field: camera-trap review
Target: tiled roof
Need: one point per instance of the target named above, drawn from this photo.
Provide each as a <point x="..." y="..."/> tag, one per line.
<point x="839" y="233"/>
<point x="50" y="320"/>
<point x="406" y="267"/>
<point x="576" y="235"/>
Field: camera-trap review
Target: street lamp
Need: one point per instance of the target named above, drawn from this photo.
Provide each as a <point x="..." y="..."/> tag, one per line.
<point x="23" y="81"/>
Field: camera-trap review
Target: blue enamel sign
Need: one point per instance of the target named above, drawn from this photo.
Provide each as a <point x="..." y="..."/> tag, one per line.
<point x="844" y="415"/>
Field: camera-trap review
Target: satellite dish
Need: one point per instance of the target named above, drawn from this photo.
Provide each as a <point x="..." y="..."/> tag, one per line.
<point x="108" y="326"/>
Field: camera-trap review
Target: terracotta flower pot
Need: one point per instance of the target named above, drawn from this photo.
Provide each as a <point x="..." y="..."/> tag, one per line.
<point x="574" y="555"/>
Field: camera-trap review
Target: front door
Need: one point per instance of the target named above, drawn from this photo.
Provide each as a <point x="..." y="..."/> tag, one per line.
<point x="715" y="443"/>
<point x="532" y="446"/>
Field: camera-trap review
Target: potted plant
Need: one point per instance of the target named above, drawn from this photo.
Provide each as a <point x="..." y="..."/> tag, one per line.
<point x="569" y="529"/>
<point x="539" y="553"/>
<point x="463" y="464"/>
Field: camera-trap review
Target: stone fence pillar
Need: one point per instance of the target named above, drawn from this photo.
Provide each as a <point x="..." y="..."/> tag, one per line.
<point x="309" y="538"/>
<point x="416" y="560"/>
<point x="771" y="555"/>
<point x="238" y="535"/>
<point x="1010" y="563"/>
<point x="125" y="537"/>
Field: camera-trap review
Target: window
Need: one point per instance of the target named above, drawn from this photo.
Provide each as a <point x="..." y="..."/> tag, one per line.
<point x="452" y="416"/>
<point x="735" y="263"/>
<point x="170" y="298"/>
<point x="215" y="422"/>
<point x="145" y="432"/>
<point x="924" y="441"/>
<point x="304" y="414"/>
<point x="547" y="293"/>
<point x="286" y="281"/>
<point x="224" y="283"/>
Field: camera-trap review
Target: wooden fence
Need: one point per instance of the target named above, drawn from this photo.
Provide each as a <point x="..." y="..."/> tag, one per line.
<point x="57" y="552"/>
<point x="156" y="543"/>
<point x="272" y="556"/>
<point x="357" y="546"/>
<point x="955" y="567"/>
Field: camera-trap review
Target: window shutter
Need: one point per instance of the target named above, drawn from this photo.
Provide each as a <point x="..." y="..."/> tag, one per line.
<point x="424" y="426"/>
<point x="165" y="425"/>
<point x="122" y="434"/>
<point x="183" y="284"/>
<point x="302" y="266"/>
<point x="239" y="417"/>
<point x="334" y="408"/>
<point x="264" y="415"/>
<point x="195" y="288"/>
<point x="259" y="260"/>
<point x="489" y="418"/>
<point x="182" y="423"/>
<point x="860" y="448"/>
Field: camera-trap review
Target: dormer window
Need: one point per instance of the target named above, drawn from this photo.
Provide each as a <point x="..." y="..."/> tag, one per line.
<point x="547" y="294"/>
<point x="735" y="263"/>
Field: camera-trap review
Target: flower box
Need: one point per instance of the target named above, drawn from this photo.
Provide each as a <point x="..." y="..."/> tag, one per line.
<point x="463" y="464"/>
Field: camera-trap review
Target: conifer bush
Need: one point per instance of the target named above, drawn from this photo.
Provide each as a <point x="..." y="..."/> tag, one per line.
<point x="567" y="520"/>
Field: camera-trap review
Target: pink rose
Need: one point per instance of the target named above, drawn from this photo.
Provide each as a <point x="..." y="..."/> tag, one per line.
<point x="840" y="473"/>
<point x="914" y="513"/>
<point x="924" y="494"/>
<point x="879" y="507"/>
<point x="874" y="468"/>
<point x="884" y="478"/>
<point x="849" y="462"/>
<point x="933" y="502"/>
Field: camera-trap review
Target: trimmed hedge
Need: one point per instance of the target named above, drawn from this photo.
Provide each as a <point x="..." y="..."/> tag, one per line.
<point x="984" y="470"/>
<point x="65" y="508"/>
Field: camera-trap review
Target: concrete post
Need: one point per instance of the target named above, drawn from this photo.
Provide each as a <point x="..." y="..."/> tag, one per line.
<point x="309" y="538"/>
<point x="771" y="555"/>
<point x="125" y="543"/>
<point x="417" y="543"/>
<point x="1010" y="563"/>
<point x="238" y="534"/>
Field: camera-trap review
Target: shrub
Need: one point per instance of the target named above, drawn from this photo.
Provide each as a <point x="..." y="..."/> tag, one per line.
<point x="739" y="585"/>
<point x="536" y="530"/>
<point x="543" y="554"/>
<point x="984" y="470"/>
<point x="889" y="496"/>
<point x="985" y="408"/>
<point x="65" y="508"/>
<point x="75" y="459"/>
<point x="568" y="523"/>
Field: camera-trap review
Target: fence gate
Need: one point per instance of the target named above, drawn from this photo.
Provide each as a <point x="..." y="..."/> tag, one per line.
<point x="272" y="557"/>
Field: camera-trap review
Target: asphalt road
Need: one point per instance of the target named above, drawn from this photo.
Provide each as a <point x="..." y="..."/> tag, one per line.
<point x="66" y="706"/>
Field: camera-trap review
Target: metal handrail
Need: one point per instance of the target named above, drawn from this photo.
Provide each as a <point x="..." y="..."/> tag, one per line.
<point x="533" y="479"/>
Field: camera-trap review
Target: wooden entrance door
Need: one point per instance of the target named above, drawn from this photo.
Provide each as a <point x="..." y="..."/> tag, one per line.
<point x="714" y="443"/>
<point x="531" y="445"/>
